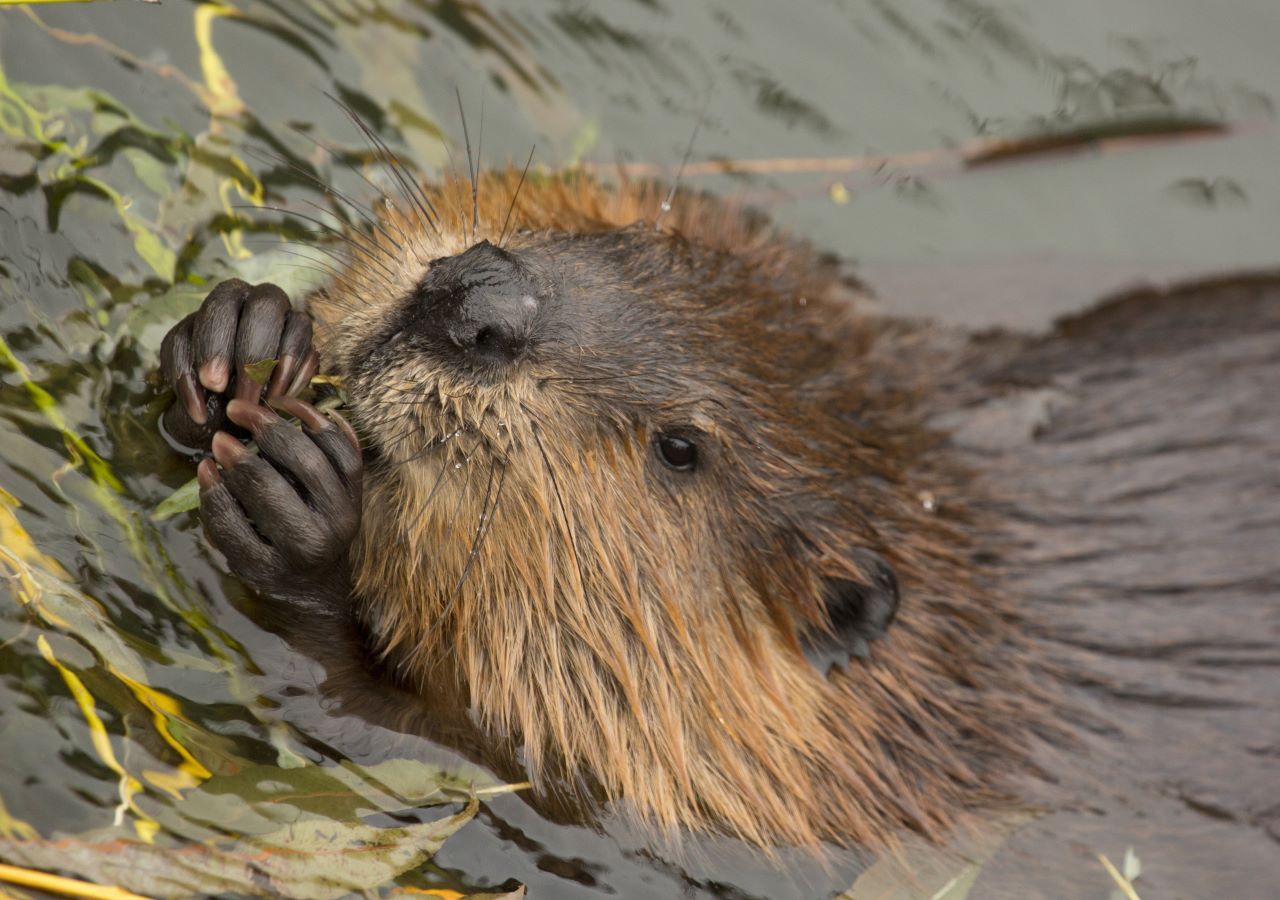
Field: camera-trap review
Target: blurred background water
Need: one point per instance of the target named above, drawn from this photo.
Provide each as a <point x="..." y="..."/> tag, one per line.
<point x="140" y="146"/>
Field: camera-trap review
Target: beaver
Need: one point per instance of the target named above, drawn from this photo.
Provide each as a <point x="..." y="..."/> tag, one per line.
<point x="640" y="498"/>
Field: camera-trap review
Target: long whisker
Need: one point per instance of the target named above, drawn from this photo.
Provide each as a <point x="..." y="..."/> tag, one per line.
<point x="475" y="184"/>
<point x="413" y="194"/>
<point x="502" y="236"/>
<point x="675" y="182"/>
<point x="369" y="251"/>
<point x="588" y="379"/>
<point x="471" y="166"/>
<point x="488" y="511"/>
<point x="365" y="237"/>
<point x="555" y="486"/>
<point x="388" y="462"/>
<point x="481" y="532"/>
<point x="462" y="494"/>
<point x="378" y="191"/>
<point x="318" y="264"/>
<point x="326" y="273"/>
<point x="358" y="208"/>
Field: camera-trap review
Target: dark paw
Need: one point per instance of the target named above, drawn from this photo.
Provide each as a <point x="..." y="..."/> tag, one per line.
<point x="203" y="358"/>
<point x="285" y="517"/>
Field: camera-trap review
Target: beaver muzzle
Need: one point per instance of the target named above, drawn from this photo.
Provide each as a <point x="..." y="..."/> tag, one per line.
<point x="480" y="307"/>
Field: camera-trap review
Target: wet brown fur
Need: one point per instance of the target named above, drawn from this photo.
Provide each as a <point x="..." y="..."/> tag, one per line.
<point x="640" y="636"/>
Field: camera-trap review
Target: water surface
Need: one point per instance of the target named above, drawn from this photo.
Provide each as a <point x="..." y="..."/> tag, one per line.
<point x="141" y="145"/>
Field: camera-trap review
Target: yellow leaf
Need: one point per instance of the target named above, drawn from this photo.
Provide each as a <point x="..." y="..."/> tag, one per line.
<point x="14" y="828"/>
<point x="225" y="99"/>
<point x="163" y="708"/>
<point x="129" y="786"/>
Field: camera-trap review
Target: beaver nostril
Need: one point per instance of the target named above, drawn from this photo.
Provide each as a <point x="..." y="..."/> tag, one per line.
<point x="496" y="341"/>
<point x="486" y="337"/>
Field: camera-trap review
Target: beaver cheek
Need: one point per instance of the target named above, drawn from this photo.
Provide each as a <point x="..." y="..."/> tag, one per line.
<point x="860" y="612"/>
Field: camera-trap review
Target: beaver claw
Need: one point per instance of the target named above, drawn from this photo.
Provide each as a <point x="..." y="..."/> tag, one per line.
<point x="284" y="518"/>
<point x="205" y="357"/>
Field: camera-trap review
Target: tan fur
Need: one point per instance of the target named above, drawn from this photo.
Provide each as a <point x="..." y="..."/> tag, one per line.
<point x="643" y="646"/>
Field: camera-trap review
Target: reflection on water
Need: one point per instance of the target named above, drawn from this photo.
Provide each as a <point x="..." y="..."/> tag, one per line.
<point x="143" y="145"/>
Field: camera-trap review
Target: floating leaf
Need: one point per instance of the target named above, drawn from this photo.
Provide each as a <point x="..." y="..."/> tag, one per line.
<point x="13" y="827"/>
<point x="315" y="858"/>
<point x="223" y="96"/>
<point x="149" y="246"/>
<point x="184" y="499"/>
<point x="1132" y="866"/>
<point x="923" y="870"/>
<point x="129" y="786"/>
<point x="45" y="588"/>
<point x="258" y="799"/>
<point x="1124" y="884"/>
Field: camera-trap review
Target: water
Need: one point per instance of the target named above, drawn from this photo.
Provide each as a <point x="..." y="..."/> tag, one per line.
<point x="133" y="136"/>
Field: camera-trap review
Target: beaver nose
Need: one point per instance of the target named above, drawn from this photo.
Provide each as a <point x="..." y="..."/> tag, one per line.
<point x="481" y="301"/>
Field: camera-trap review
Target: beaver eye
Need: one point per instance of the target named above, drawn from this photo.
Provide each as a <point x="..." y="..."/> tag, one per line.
<point x="677" y="453"/>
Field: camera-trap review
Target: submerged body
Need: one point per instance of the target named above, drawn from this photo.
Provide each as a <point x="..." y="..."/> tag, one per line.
<point x="1135" y="451"/>
<point x="659" y="514"/>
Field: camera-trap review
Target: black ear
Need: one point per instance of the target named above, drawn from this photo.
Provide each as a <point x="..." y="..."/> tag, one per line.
<point x="860" y="612"/>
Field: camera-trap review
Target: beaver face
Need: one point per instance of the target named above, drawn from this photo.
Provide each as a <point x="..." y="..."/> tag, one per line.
<point x="623" y="481"/>
<point x="618" y="368"/>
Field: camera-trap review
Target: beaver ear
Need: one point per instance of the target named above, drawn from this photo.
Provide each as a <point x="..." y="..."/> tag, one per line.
<point x="860" y="612"/>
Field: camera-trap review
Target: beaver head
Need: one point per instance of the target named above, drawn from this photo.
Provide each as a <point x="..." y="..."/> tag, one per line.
<point x="640" y="496"/>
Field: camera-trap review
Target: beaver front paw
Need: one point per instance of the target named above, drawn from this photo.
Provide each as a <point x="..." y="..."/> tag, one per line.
<point x="204" y="357"/>
<point x="284" y="518"/>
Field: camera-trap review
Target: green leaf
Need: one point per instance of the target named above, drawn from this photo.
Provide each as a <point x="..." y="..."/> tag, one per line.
<point x="313" y="857"/>
<point x="261" y="370"/>
<point x="149" y="246"/>
<point x="182" y="500"/>
<point x="257" y="799"/>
